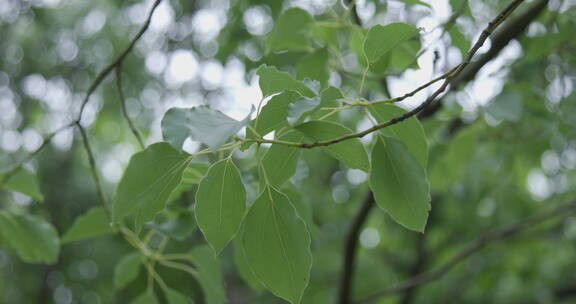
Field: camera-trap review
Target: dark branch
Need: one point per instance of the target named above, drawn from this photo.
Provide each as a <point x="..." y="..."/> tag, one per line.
<point x="108" y="69"/>
<point x="349" y="259"/>
<point x="562" y="211"/>
<point x="93" y="169"/>
<point x="97" y="81"/>
<point x="500" y="40"/>
<point x="448" y="78"/>
<point x="123" y="104"/>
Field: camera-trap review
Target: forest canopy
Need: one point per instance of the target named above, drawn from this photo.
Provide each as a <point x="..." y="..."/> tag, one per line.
<point x="287" y="151"/>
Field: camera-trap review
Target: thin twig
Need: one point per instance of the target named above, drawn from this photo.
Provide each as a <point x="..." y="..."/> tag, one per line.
<point x="93" y="167"/>
<point x="448" y="79"/>
<point x="108" y="69"/>
<point x="10" y="173"/>
<point x="500" y="40"/>
<point x="97" y="81"/>
<point x="120" y="89"/>
<point x="562" y="211"/>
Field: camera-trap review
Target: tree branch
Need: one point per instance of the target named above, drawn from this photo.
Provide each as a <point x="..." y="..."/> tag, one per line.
<point x="349" y="258"/>
<point x="118" y="61"/>
<point x="500" y="40"/>
<point x="123" y="104"/>
<point x="97" y="81"/>
<point x="93" y="169"/>
<point x="448" y="78"/>
<point x="562" y="211"/>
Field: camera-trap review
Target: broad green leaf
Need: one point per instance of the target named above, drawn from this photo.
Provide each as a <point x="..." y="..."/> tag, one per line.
<point x="404" y="56"/>
<point x="329" y="98"/>
<point x="399" y="184"/>
<point x="145" y="298"/>
<point x="459" y="40"/>
<point x="24" y="182"/>
<point x="220" y="204"/>
<point x="175" y="297"/>
<point x="356" y="44"/>
<point x="351" y="152"/>
<point x="325" y="32"/>
<point x="409" y="131"/>
<point x="280" y="161"/>
<point x="192" y="175"/>
<point x="92" y="223"/>
<point x="290" y="31"/>
<point x="381" y="39"/>
<point x="33" y="239"/>
<point x="303" y="208"/>
<point x="277" y="245"/>
<point x="314" y="66"/>
<point x="202" y="124"/>
<point x="127" y="269"/>
<point x="209" y="274"/>
<point x="302" y="106"/>
<point x="274" y="81"/>
<point x="273" y="114"/>
<point x="148" y="181"/>
<point x="177" y="227"/>
<point x="242" y="266"/>
<point x="506" y="106"/>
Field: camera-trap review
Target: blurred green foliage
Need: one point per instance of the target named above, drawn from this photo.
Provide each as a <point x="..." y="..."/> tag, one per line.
<point x="501" y="148"/>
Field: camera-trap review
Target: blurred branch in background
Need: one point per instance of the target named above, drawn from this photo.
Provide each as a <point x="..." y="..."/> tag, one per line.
<point x="560" y="212"/>
<point x="97" y="81"/>
<point x="347" y="281"/>
<point x="499" y="41"/>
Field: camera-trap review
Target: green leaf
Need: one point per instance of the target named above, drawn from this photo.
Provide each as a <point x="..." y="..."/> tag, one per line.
<point x="24" y="182"/>
<point x="202" y="124"/>
<point x="329" y="98"/>
<point x="127" y="269"/>
<point x="220" y="204"/>
<point x="303" y="208"/>
<point x="280" y="161"/>
<point x="92" y="223"/>
<point x="242" y="266"/>
<point x="302" y="106"/>
<point x="459" y="40"/>
<point x="327" y="33"/>
<point x="178" y="227"/>
<point x="356" y="44"/>
<point x="381" y="39"/>
<point x="209" y="274"/>
<point x="277" y="245"/>
<point x="192" y="175"/>
<point x="175" y="297"/>
<point x="273" y="114"/>
<point x="506" y="106"/>
<point x="399" y="184"/>
<point x="290" y="31"/>
<point x="404" y="56"/>
<point x="314" y="66"/>
<point x="351" y="152"/>
<point x="148" y="181"/>
<point x="33" y="239"/>
<point x="145" y="298"/>
<point x="274" y="81"/>
<point x="409" y="131"/>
